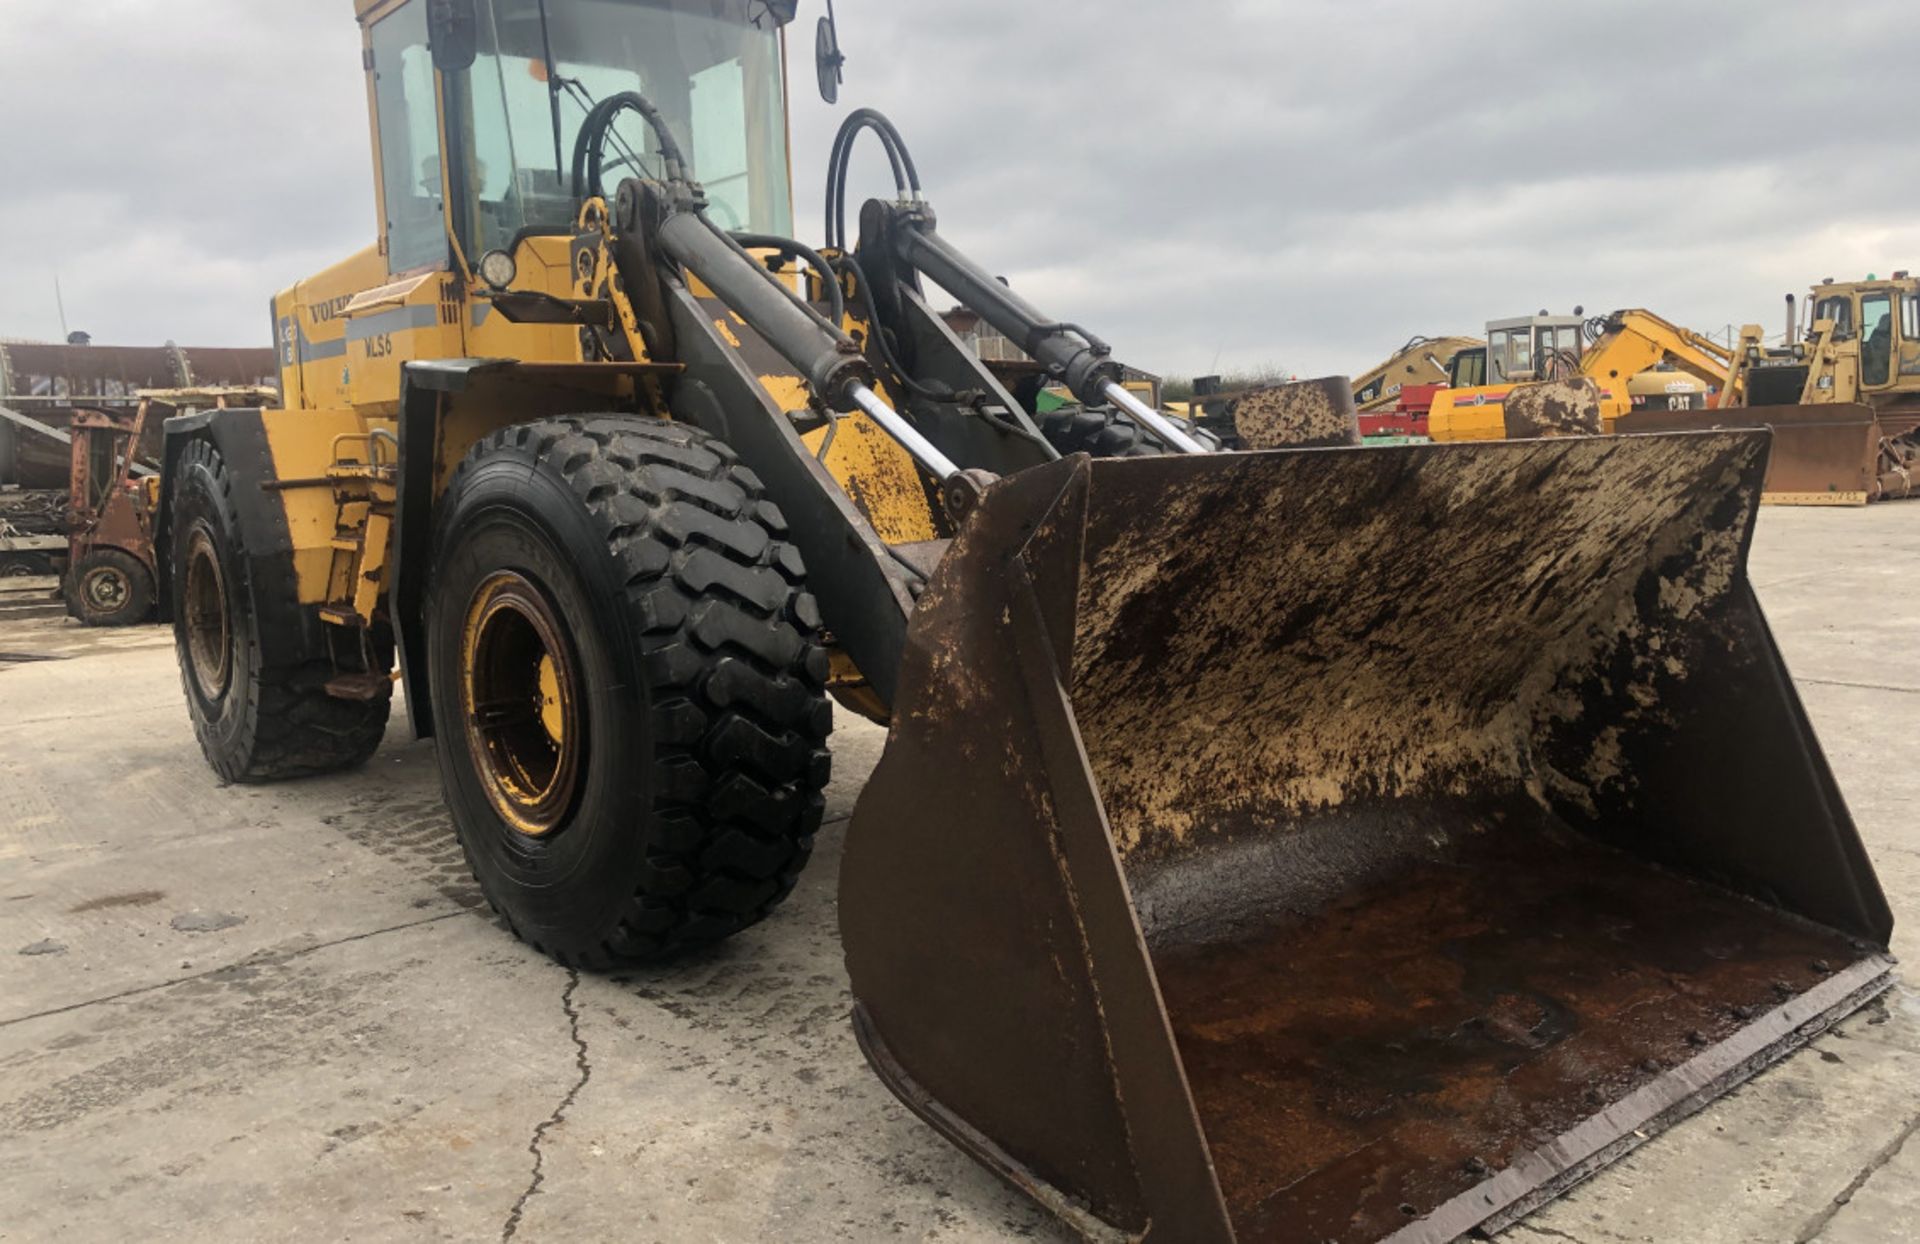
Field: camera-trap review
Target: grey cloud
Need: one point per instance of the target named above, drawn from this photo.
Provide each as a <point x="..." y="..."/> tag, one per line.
<point x="1205" y="182"/>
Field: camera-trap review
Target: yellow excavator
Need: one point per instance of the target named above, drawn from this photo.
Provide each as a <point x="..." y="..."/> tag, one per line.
<point x="1423" y="360"/>
<point x="1236" y="868"/>
<point x="1841" y="395"/>
<point x="1607" y="351"/>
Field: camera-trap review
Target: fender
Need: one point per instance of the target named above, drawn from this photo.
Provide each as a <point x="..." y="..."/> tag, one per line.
<point x="289" y="631"/>
<point x="446" y="405"/>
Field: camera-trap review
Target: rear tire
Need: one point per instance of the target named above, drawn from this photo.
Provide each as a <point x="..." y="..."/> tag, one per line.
<point x="628" y="686"/>
<point x="109" y="587"/>
<point x="255" y="722"/>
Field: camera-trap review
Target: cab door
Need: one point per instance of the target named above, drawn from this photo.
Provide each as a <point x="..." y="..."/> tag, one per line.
<point x="410" y="311"/>
<point x="1877" y="349"/>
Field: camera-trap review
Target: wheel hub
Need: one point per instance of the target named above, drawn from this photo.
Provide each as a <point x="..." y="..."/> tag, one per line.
<point x="107" y="589"/>
<point x="204" y="603"/>
<point x="524" y="710"/>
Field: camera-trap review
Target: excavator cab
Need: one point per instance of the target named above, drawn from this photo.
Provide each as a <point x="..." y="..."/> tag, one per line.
<point x="1533" y="347"/>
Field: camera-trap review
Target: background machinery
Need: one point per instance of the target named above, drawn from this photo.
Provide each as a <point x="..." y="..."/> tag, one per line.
<point x="109" y="575"/>
<point x="1423" y="360"/>
<point x="1610" y="351"/>
<point x="1841" y="394"/>
<point x="1234" y="871"/>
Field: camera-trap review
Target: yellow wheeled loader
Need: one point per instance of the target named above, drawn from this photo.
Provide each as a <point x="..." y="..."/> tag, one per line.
<point x="1237" y="868"/>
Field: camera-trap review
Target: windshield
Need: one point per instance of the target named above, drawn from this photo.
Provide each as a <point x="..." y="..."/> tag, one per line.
<point x="712" y="67"/>
<point x="1839" y="310"/>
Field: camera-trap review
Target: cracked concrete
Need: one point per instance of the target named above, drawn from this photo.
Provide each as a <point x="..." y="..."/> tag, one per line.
<point x="1881" y="1160"/>
<point x="536" y="1145"/>
<point x="368" y="1056"/>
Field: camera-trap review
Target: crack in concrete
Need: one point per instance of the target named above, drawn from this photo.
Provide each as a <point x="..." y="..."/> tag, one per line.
<point x="1547" y="1231"/>
<point x="1891" y="1150"/>
<point x="255" y="959"/>
<point x="536" y="1143"/>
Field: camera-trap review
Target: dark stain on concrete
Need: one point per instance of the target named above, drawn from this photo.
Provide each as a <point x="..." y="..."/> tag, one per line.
<point x="135" y="898"/>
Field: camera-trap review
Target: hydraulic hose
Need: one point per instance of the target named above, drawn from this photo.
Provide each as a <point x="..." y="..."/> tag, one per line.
<point x="589" y="147"/>
<point x="836" y="298"/>
<point x="906" y="177"/>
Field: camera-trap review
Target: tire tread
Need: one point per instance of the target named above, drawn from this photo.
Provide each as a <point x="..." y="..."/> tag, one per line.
<point x="716" y="597"/>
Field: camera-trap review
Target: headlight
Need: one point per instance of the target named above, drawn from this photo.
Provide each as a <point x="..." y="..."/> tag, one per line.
<point x="497" y="269"/>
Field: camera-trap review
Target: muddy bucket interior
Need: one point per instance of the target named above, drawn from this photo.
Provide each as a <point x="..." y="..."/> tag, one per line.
<point x="1347" y="844"/>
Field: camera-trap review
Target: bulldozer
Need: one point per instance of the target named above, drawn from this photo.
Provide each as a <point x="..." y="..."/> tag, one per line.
<point x="1235" y="869"/>
<point x="1841" y="395"/>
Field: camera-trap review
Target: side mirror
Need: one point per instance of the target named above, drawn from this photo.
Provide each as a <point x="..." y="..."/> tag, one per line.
<point x="827" y="60"/>
<point x="452" y="34"/>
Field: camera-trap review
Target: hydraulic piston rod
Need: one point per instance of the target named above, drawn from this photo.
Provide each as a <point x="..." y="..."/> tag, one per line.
<point x="1163" y="428"/>
<point x="919" y="447"/>
<point x="1082" y="361"/>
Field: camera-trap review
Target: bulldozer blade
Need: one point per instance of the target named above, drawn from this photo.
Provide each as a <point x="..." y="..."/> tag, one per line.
<point x="1347" y="844"/>
<point x="1840" y="453"/>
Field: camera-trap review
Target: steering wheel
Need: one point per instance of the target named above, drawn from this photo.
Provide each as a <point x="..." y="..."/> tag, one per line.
<point x="590" y="162"/>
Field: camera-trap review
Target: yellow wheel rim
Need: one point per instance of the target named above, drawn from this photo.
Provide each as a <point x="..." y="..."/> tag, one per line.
<point x="524" y="711"/>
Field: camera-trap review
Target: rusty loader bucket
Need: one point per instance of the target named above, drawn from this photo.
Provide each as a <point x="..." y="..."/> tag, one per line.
<point x="1347" y="844"/>
<point x="1840" y="453"/>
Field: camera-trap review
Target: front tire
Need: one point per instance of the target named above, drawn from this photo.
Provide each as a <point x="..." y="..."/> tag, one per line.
<point x="256" y="721"/>
<point x="109" y="587"/>
<point x="627" y="685"/>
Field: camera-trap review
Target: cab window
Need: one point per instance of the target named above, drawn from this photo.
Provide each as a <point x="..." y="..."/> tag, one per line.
<point x="1468" y="369"/>
<point x="415" y="225"/>
<point x="1839" y="310"/>
<point x="1910" y="318"/>
<point x="712" y="69"/>
<point x="1876" y="339"/>
<point x="1557" y="341"/>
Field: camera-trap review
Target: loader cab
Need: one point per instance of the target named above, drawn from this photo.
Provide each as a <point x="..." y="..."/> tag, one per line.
<point x="479" y="107"/>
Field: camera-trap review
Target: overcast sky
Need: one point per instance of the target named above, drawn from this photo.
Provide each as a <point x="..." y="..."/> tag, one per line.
<point x="1210" y="184"/>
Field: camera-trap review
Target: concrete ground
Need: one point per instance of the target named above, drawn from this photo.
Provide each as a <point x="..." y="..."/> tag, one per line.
<point x="282" y="1013"/>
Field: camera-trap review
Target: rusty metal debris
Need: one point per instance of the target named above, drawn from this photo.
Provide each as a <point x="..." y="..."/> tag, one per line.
<point x="48" y="383"/>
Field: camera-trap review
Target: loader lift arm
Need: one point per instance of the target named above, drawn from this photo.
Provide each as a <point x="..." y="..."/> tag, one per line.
<point x="899" y="242"/>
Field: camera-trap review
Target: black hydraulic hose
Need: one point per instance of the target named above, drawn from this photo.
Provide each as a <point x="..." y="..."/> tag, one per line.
<point x="836" y="298"/>
<point x="833" y="327"/>
<point x="587" y="152"/>
<point x="879" y="335"/>
<point x="906" y="176"/>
